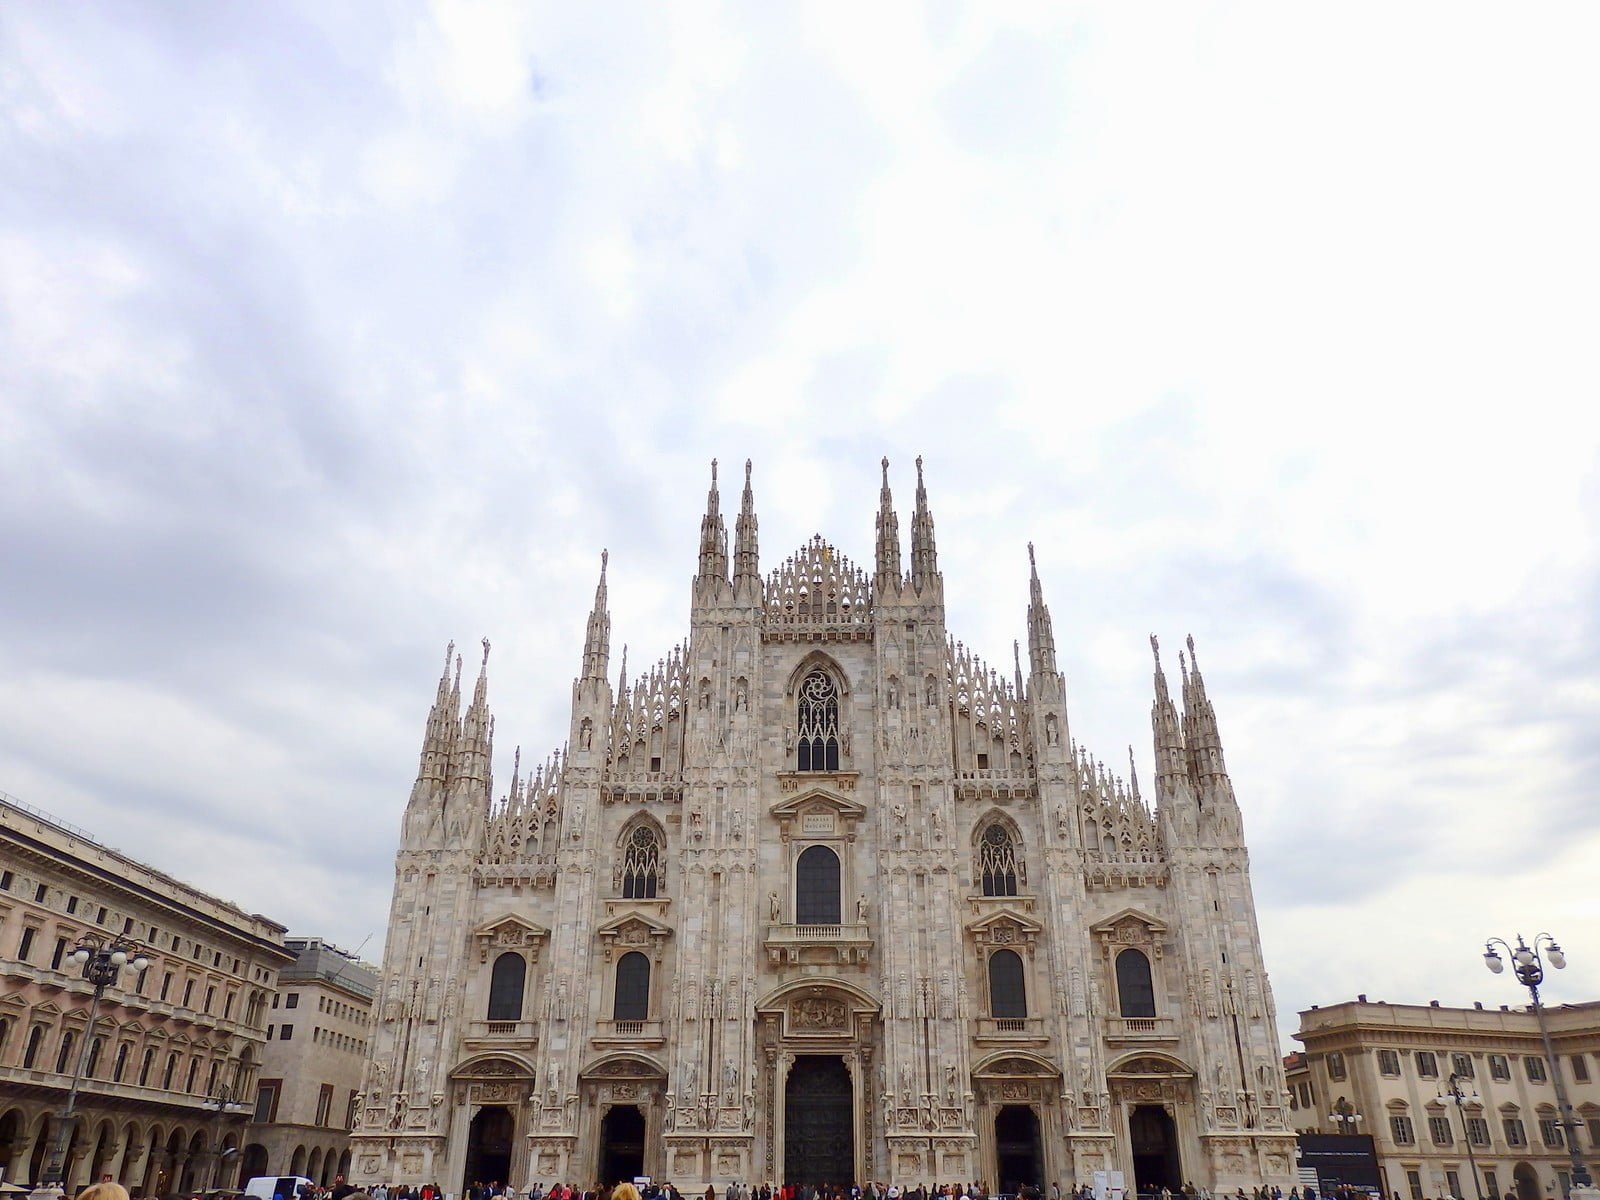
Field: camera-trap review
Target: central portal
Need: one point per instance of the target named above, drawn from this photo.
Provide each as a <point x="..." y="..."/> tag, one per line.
<point x="819" y="1143"/>
<point x="621" y="1145"/>
<point x="1155" y="1149"/>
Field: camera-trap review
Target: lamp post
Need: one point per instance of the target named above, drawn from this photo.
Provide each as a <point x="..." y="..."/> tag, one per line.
<point x="1529" y="969"/>
<point x="1344" y="1116"/>
<point x="1453" y="1095"/>
<point x="102" y="960"/>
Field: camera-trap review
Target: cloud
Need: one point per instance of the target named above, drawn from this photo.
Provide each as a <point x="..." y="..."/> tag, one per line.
<point x="326" y="338"/>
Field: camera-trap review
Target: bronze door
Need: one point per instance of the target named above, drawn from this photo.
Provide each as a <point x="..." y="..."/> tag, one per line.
<point x="818" y="1116"/>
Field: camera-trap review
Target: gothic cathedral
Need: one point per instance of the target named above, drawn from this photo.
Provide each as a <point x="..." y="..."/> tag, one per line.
<point x="821" y="897"/>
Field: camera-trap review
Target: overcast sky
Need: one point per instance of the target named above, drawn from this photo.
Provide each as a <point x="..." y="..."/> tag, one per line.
<point x="331" y="332"/>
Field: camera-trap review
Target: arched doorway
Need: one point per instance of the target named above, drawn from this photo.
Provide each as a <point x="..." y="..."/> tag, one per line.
<point x="489" y="1147"/>
<point x="1018" y="1149"/>
<point x="10" y="1135"/>
<point x="253" y="1162"/>
<point x="621" y="1144"/>
<point x="819" y="1143"/>
<point x="1527" y="1182"/>
<point x="1155" y="1149"/>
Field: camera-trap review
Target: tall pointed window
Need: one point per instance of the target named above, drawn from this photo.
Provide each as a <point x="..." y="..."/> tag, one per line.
<point x="1008" y="996"/>
<point x="818" y="715"/>
<point x="816" y="887"/>
<point x="999" y="868"/>
<point x="1136" y="993"/>
<point x="632" y="998"/>
<point x="506" y="985"/>
<point x="641" y="864"/>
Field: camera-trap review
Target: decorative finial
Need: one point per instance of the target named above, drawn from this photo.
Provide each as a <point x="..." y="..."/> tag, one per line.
<point x="605" y="557"/>
<point x="486" y="652"/>
<point x="919" y="470"/>
<point x="449" y="653"/>
<point x="885" y="470"/>
<point x="1155" y="649"/>
<point x="1193" y="661"/>
<point x="1031" y="561"/>
<point x="747" y="471"/>
<point x="713" y="472"/>
<point x="1016" y="654"/>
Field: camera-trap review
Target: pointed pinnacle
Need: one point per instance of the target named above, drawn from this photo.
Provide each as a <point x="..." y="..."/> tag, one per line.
<point x="1193" y="661"/>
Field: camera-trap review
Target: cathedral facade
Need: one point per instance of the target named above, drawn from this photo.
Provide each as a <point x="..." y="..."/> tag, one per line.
<point x="821" y="897"/>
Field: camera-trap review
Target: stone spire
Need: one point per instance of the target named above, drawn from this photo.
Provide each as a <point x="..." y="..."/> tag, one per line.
<point x="746" y="553"/>
<point x="1170" y="766"/>
<point x="713" y="535"/>
<point x="597" y="639"/>
<point x="1041" y="635"/>
<point x="1200" y="723"/>
<point x="477" y="731"/>
<point x="889" y="570"/>
<point x="924" y="554"/>
<point x="438" y="740"/>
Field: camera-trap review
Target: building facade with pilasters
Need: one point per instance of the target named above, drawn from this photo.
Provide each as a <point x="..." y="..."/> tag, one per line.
<point x="822" y="897"/>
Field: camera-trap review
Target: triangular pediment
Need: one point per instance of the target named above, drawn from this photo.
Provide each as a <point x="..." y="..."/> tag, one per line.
<point x="634" y="922"/>
<point x="48" y="1009"/>
<point x="1005" y="918"/>
<point x="12" y="1000"/>
<point x="510" y="932"/>
<point x="1129" y="920"/>
<point x="511" y="921"/>
<point x="814" y="800"/>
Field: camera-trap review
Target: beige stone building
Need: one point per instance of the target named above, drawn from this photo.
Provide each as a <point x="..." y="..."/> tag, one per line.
<point x="1390" y="1065"/>
<point x="317" y="1032"/>
<point x="820" y="896"/>
<point x="172" y="1044"/>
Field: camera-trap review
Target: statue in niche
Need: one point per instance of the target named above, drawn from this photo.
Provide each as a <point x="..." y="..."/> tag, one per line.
<point x="586" y="733"/>
<point x="740" y="697"/>
<point x="905" y="1084"/>
<point x="861" y="908"/>
<point x="950" y="1083"/>
<point x="773" y="907"/>
<point x="894" y="692"/>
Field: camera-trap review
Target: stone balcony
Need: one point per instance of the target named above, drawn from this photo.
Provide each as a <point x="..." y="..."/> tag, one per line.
<point x="1001" y="785"/>
<point x="21" y="1081"/>
<point x="1011" y="1031"/>
<point x="1141" y="1030"/>
<point x="629" y="1033"/>
<point x="830" y="945"/>
<point x="506" y="1035"/>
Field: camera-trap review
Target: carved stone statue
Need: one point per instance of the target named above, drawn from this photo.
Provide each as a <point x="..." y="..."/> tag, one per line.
<point x="772" y="907"/>
<point x="861" y="908"/>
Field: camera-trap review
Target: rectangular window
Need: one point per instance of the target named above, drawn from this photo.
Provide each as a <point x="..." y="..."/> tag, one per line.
<point x="188" y="992"/>
<point x="284" y="1034"/>
<point x="1427" y="1064"/>
<point x="275" y="999"/>
<point x="1400" y="1130"/>
<point x="1478" y="1131"/>
<point x="166" y="984"/>
<point x="324" y="1104"/>
<point x="60" y="953"/>
<point x="100" y="917"/>
<point x="1491" y="1183"/>
<point x="1534" y="1066"/>
<point x="1461" y="1065"/>
<point x="1515" y="1134"/>
<point x="1550" y="1132"/>
<point x="25" y="946"/>
<point x="1335" y="1065"/>
<point x="1453" y="1178"/>
<point x="1594" y="1132"/>
<point x="1389" y="1062"/>
<point x="1439" y="1131"/>
<point x="1414" y="1182"/>
<point x="1499" y="1067"/>
<point x="211" y="994"/>
<point x="270" y="1028"/>
<point x="1580" y="1069"/>
<point x="39" y="894"/>
<point x="5" y="881"/>
<point x="292" y="1000"/>
<point x="227" y="1006"/>
<point x="72" y="905"/>
<point x="266" y="1102"/>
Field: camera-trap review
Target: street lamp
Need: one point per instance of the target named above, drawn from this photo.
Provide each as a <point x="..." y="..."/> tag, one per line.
<point x="102" y="960"/>
<point x="1529" y="969"/>
<point x="1344" y="1115"/>
<point x="1454" y="1095"/>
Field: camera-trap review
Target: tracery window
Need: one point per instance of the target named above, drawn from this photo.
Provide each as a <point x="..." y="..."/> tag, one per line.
<point x="1136" y="993"/>
<point x="631" y="1001"/>
<point x="506" y="986"/>
<point x="1008" y="996"/>
<point x="818" y="717"/>
<point x="641" y="864"/>
<point x="999" y="867"/>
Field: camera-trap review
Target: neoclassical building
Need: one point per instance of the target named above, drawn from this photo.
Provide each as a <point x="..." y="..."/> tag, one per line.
<point x="821" y="896"/>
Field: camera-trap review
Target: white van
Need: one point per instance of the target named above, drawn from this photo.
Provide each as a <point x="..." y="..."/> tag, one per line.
<point x="276" y="1187"/>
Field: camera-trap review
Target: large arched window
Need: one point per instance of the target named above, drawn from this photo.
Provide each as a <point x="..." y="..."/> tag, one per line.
<point x="641" y="863"/>
<point x="632" y="1000"/>
<point x="999" y="866"/>
<point x="1136" y="994"/>
<point x="1008" y="995"/>
<point x="35" y="1040"/>
<point x="818" y="716"/>
<point x="816" y="887"/>
<point x="506" y="985"/>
